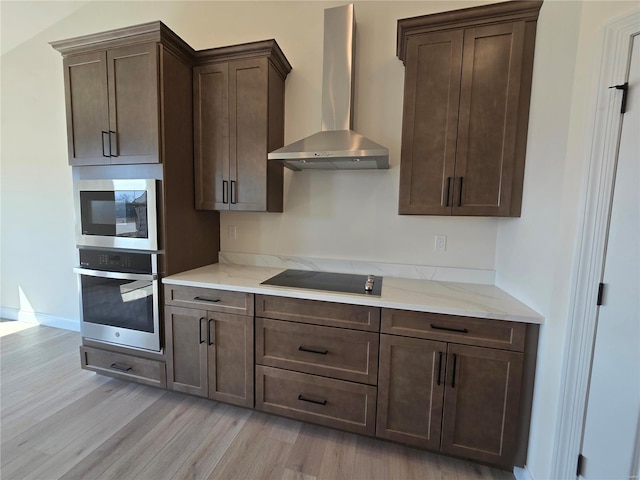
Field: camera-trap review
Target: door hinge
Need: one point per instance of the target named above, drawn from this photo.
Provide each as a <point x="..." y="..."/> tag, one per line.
<point x="625" y="88"/>
<point x="600" y="294"/>
<point x="580" y="465"/>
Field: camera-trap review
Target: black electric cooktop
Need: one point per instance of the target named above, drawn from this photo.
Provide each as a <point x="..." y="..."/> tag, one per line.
<point x="329" y="282"/>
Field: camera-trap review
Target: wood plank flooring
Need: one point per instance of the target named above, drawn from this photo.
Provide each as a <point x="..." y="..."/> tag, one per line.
<point x="60" y="422"/>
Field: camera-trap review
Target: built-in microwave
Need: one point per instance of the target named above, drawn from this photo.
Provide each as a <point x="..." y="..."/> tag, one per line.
<point x="118" y="213"/>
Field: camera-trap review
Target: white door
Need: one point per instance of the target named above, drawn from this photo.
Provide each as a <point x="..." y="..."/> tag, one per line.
<point x="611" y="441"/>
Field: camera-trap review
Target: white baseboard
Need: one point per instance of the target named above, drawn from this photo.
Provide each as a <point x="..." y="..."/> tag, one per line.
<point x="40" y="319"/>
<point x="521" y="473"/>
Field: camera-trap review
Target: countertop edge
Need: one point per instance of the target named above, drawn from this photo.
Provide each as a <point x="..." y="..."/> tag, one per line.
<point x="182" y="279"/>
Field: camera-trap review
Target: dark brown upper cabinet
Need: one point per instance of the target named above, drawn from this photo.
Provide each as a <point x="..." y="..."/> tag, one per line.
<point x="238" y="119"/>
<point x="114" y="83"/>
<point x="129" y="100"/>
<point x="466" y="109"/>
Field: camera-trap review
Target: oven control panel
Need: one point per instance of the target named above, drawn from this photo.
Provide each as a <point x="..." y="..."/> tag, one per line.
<point x="116" y="261"/>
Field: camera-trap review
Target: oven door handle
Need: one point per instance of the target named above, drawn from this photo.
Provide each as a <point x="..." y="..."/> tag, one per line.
<point x="115" y="275"/>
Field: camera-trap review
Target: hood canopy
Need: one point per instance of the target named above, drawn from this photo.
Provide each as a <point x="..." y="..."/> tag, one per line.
<point x="336" y="146"/>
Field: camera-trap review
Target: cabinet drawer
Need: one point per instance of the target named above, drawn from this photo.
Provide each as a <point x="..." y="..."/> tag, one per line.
<point x="450" y="328"/>
<point x="332" y="352"/>
<point x="126" y="367"/>
<point x="333" y="403"/>
<point x="357" y="317"/>
<point x="209" y="299"/>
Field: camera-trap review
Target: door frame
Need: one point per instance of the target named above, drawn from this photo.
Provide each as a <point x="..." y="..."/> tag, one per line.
<point x="605" y="127"/>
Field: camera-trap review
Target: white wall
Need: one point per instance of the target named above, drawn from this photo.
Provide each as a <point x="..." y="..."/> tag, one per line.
<point x="535" y="255"/>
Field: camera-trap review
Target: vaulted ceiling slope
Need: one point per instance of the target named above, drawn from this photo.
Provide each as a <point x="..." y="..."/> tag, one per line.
<point x="23" y="20"/>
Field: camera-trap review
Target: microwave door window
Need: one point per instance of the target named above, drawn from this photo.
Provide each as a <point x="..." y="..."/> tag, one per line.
<point x="120" y="213"/>
<point x="131" y="214"/>
<point x="118" y="303"/>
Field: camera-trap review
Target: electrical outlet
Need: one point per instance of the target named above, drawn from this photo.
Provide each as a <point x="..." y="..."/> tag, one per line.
<point x="232" y="232"/>
<point x="440" y="244"/>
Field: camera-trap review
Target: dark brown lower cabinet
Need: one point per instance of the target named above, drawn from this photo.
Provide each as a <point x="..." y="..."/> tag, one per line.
<point x="210" y="354"/>
<point x="410" y="391"/>
<point x="457" y="385"/>
<point x="457" y="399"/>
<point x="326" y="401"/>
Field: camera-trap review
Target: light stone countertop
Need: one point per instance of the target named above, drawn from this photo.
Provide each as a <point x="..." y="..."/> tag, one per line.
<point x="453" y="298"/>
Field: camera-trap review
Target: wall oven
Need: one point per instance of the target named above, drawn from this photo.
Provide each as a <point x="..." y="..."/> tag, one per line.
<point x="119" y="297"/>
<point x="117" y="213"/>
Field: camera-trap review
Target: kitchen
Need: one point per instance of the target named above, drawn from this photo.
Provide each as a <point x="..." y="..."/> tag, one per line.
<point x="331" y="215"/>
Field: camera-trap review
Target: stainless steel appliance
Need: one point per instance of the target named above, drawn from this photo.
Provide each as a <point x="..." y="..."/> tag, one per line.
<point x="336" y="146"/>
<point x="119" y="297"/>
<point x="327" y="281"/>
<point x="118" y="213"/>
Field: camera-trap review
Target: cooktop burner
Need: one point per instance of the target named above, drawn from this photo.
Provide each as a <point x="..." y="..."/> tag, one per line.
<point x="327" y="281"/>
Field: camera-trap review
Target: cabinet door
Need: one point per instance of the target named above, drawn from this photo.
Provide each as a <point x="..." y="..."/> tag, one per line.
<point x="488" y="124"/>
<point x="211" y="136"/>
<point x="248" y="100"/>
<point x="85" y="82"/>
<point x="186" y="346"/>
<point x="134" y="115"/>
<point x="410" y="390"/>
<point x="429" y="124"/>
<point x="230" y="368"/>
<point x="481" y="404"/>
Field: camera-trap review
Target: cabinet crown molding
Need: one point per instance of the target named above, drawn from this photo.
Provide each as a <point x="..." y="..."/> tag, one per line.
<point x="525" y="10"/>
<point x="144" y="33"/>
<point x="158" y="32"/>
<point x="244" y="51"/>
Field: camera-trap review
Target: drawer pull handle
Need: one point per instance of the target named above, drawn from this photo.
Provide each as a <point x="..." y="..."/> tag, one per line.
<point x="122" y="368"/>
<point x="449" y="329"/>
<point x="312" y="350"/>
<point x="203" y="299"/>
<point x="317" y="402"/>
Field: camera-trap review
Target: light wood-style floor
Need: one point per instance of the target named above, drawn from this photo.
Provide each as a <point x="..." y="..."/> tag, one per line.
<point x="58" y="421"/>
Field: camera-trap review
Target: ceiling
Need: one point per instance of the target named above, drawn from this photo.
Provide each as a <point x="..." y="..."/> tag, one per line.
<point x="23" y="20"/>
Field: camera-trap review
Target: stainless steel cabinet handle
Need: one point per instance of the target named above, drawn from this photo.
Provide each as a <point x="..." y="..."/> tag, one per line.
<point x="116" y="275"/>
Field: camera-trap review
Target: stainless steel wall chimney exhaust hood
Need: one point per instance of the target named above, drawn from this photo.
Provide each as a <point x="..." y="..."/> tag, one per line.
<point x="337" y="146"/>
